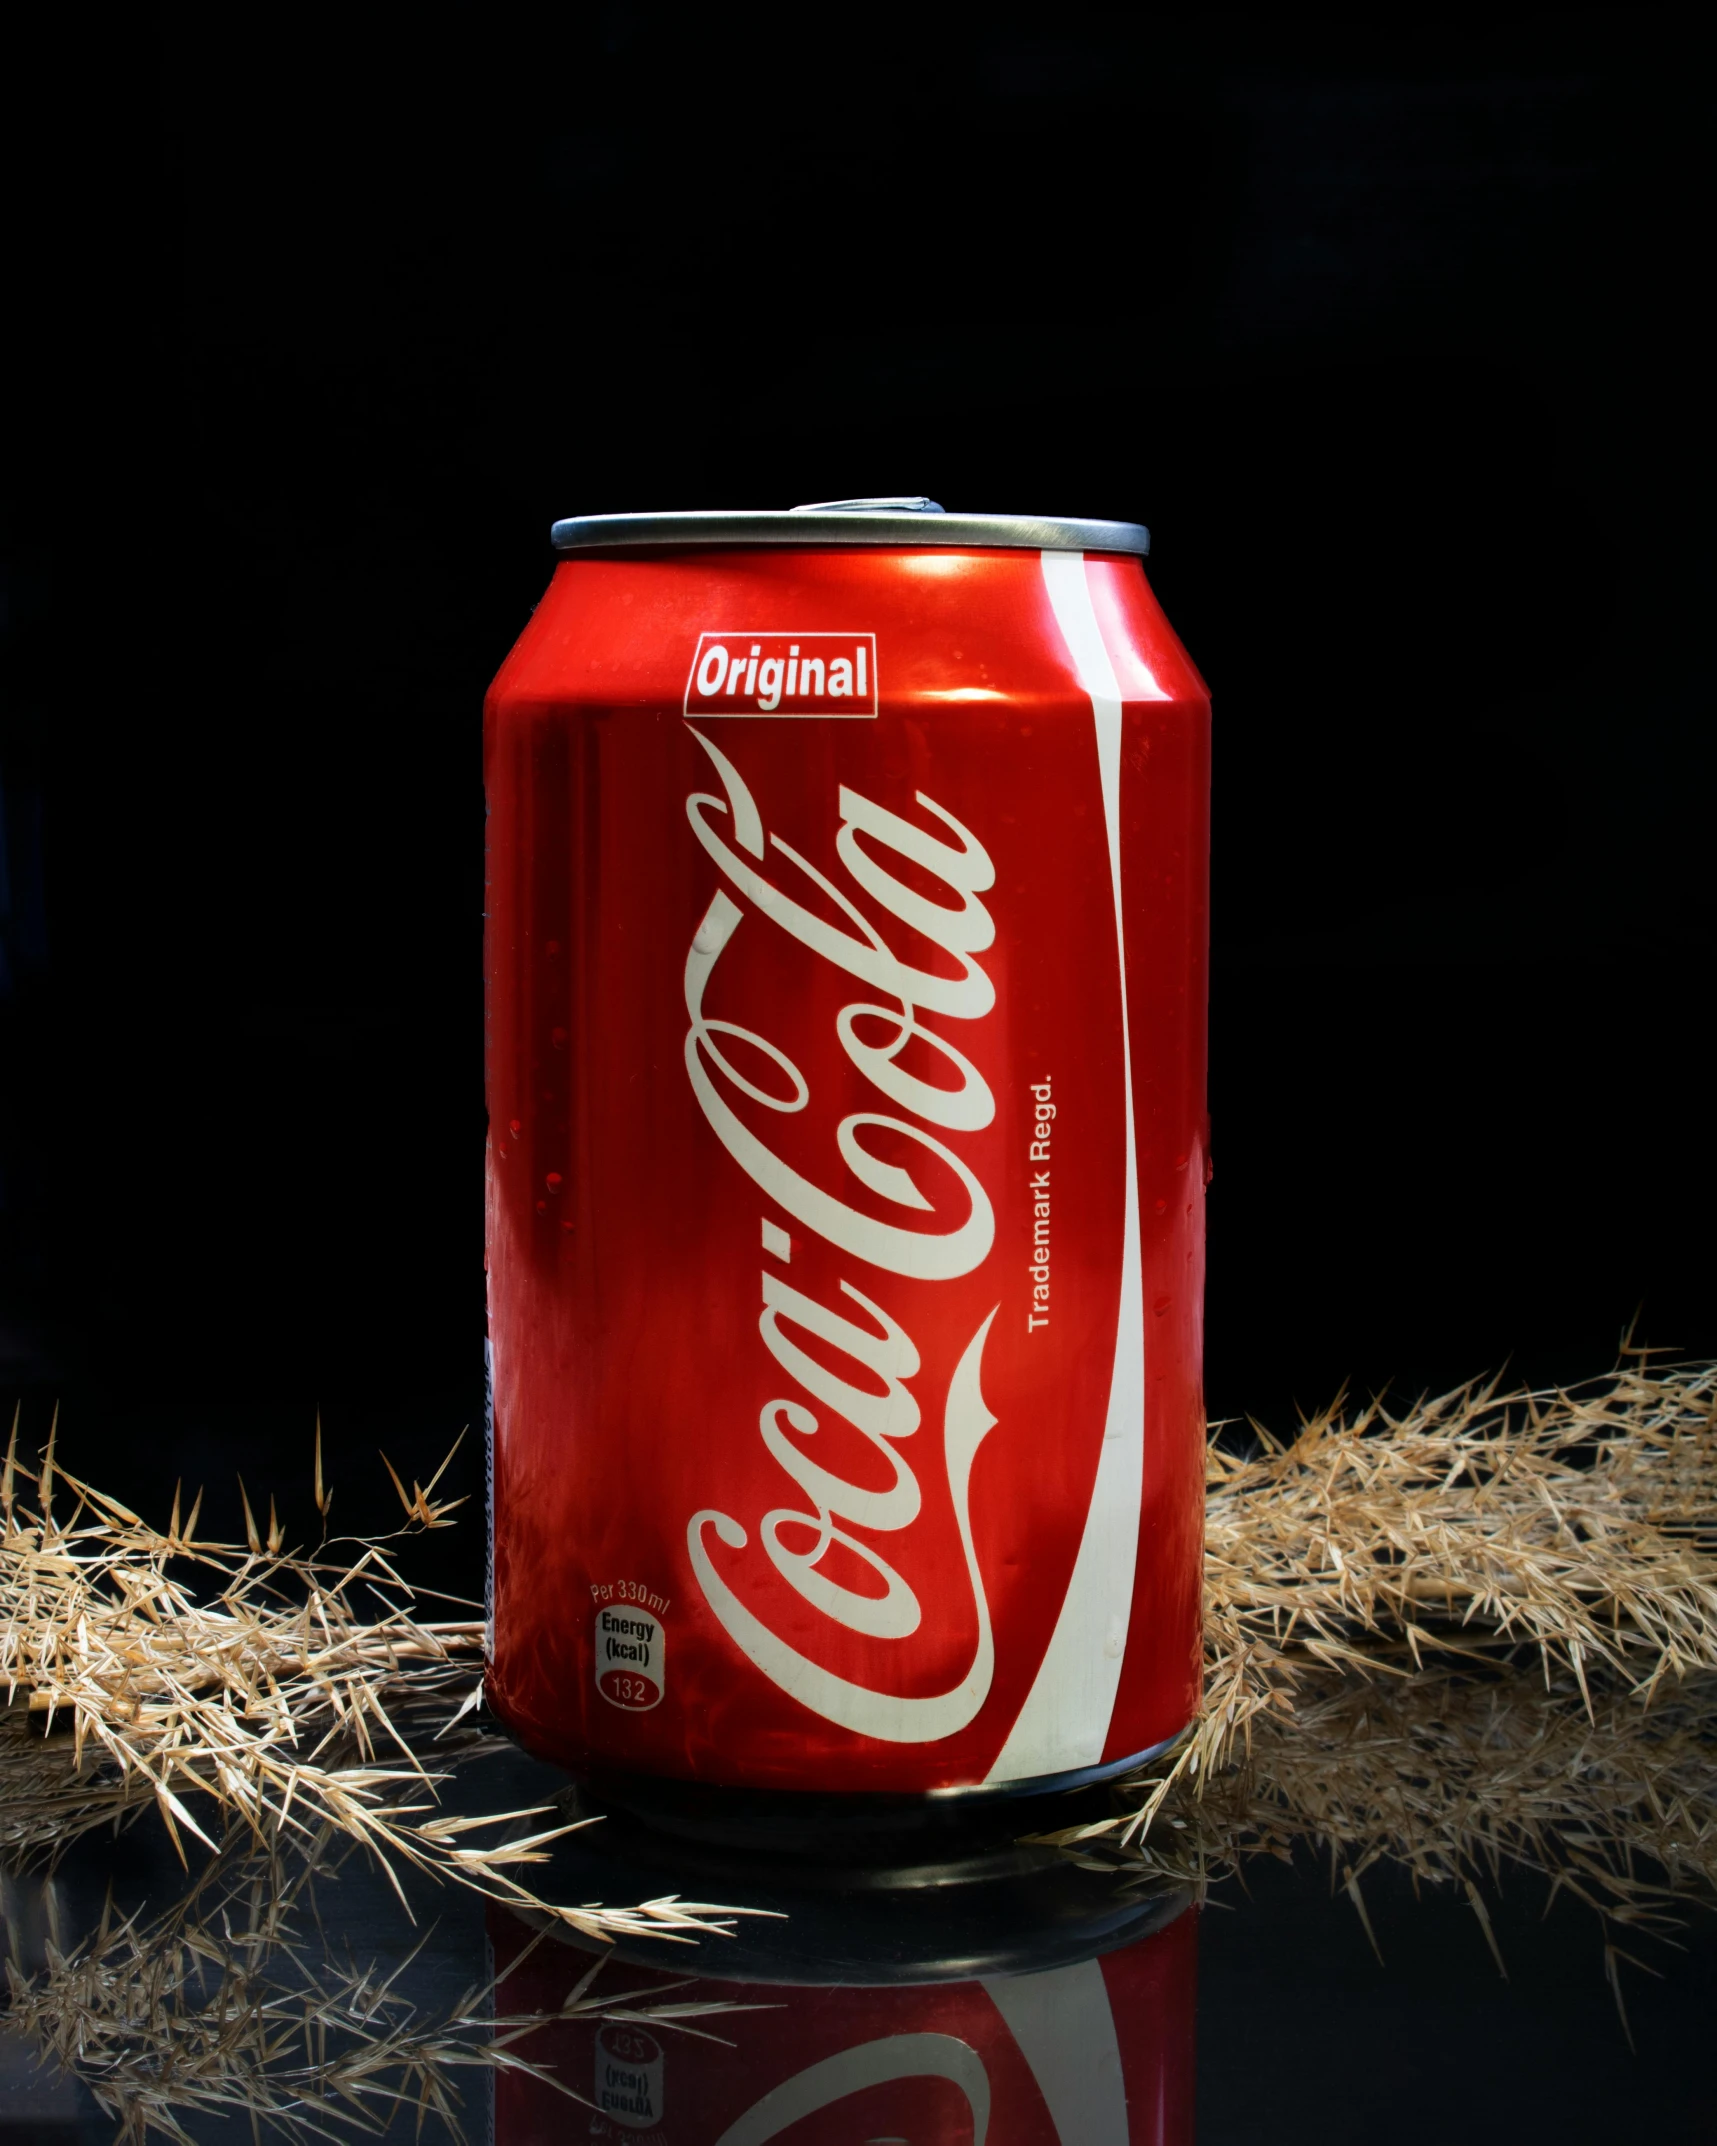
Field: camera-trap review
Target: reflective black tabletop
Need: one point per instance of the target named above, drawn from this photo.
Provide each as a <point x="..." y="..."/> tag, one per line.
<point x="991" y="1991"/>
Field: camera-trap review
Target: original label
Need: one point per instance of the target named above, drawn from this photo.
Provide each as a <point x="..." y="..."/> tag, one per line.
<point x="781" y="674"/>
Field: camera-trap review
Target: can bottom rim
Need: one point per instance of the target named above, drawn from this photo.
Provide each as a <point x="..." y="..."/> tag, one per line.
<point x="818" y="1822"/>
<point x="1055" y="1784"/>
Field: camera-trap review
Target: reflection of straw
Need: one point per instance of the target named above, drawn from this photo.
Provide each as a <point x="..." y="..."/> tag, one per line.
<point x="1454" y="1775"/>
<point x="275" y="1698"/>
<point x="227" y="2003"/>
<point x="1370" y="1588"/>
<point x="1579" y="1524"/>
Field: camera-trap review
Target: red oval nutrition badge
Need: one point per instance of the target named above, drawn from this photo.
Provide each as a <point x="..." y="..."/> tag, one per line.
<point x="623" y="1687"/>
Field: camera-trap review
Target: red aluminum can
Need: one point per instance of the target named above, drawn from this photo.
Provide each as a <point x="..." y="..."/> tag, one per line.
<point x="846" y="945"/>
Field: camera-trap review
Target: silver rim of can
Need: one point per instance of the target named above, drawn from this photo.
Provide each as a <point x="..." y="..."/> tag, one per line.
<point x="902" y="521"/>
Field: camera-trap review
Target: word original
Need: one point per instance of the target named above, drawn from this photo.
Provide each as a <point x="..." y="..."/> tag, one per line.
<point x="810" y="674"/>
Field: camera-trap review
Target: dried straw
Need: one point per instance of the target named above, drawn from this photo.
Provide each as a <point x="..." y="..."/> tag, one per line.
<point x="1372" y="1587"/>
<point x="270" y="1693"/>
<point x="1476" y="1635"/>
<point x="227" y="2002"/>
<point x="1575" y="1524"/>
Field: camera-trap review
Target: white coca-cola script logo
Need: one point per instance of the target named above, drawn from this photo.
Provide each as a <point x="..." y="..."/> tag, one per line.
<point x="950" y="1244"/>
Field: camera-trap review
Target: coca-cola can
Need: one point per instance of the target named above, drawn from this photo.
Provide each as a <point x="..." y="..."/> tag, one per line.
<point x="846" y="935"/>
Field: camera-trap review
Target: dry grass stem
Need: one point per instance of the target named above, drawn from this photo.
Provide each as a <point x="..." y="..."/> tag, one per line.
<point x="274" y="1691"/>
<point x="1577" y="1523"/>
<point x="1371" y="1589"/>
<point x="1367" y="1584"/>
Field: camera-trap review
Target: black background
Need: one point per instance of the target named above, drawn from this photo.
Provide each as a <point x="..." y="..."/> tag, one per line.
<point x="1389" y="335"/>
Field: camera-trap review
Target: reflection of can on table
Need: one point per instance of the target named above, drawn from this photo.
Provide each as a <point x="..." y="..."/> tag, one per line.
<point x="846" y="954"/>
<point x="1011" y="2003"/>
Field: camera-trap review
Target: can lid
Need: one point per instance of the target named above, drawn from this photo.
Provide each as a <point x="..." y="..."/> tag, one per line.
<point x="912" y="521"/>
